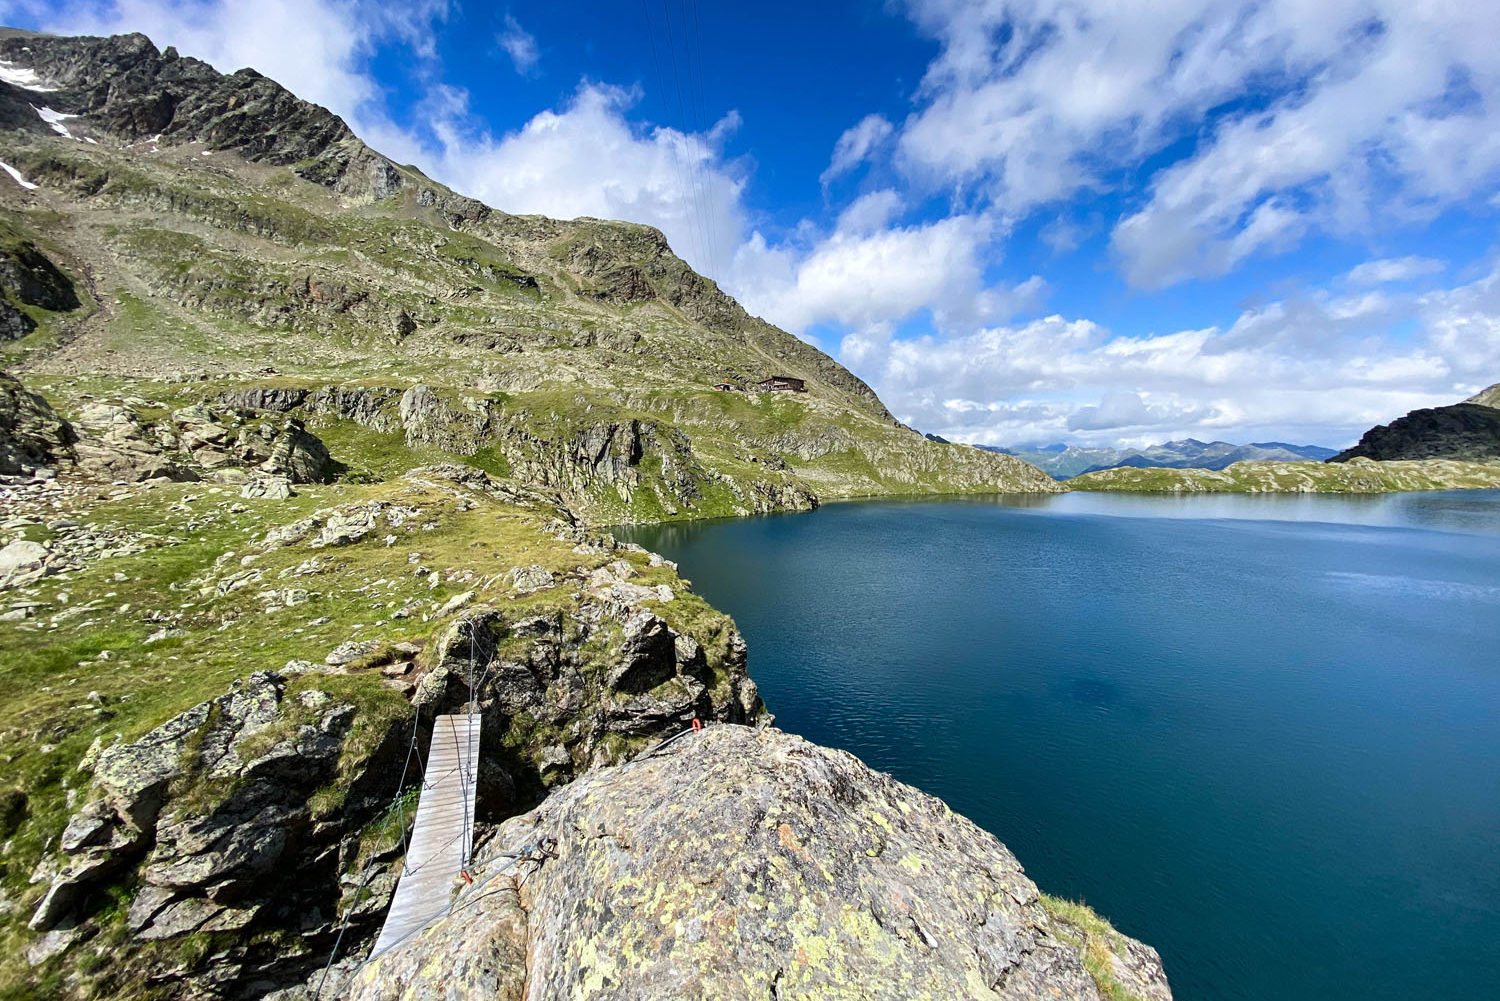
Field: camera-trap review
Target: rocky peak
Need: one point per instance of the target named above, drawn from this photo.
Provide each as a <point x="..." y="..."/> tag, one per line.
<point x="125" y="87"/>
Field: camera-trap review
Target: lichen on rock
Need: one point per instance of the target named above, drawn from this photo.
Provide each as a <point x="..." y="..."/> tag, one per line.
<point x="749" y="863"/>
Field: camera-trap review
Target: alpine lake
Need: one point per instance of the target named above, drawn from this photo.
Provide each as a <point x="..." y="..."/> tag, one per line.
<point x="1261" y="733"/>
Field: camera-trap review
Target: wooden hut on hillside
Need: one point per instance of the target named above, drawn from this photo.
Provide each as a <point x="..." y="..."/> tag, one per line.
<point x="781" y="384"/>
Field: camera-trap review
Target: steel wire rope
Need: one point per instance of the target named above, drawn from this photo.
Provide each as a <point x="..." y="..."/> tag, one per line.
<point x="691" y="164"/>
<point x="369" y="869"/>
<point x="701" y="98"/>
<point x="656" y="59"/>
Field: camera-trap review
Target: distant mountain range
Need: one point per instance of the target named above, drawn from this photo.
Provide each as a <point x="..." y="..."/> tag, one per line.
<point x="1066" y="461"/>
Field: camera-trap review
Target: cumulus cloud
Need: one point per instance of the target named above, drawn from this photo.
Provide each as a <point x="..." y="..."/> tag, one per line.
<point x="589" y="159"/>
<point x="1319" y="368"/>
<point x="856" y="144"/>
<point x="868" y="273"/>
<point x="1342" y="115"/>
<point x="1028" y="102"/>
<point x="519" y="44"/>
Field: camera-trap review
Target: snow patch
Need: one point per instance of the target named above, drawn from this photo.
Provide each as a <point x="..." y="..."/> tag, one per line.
<point x="20" y="76"/>
<point x="55" y="119"/>
<point x="16" y="176"/>
<point x="207" y="152"/>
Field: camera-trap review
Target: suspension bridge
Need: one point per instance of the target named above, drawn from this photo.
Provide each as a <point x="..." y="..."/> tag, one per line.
<point x="442" y="837"/>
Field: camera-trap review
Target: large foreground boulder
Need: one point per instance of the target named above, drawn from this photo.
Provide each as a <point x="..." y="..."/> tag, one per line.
<point x="749" y="863"/>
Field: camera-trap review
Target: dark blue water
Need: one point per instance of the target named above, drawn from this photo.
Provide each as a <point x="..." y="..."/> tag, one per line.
<point x="1260" y="733"/>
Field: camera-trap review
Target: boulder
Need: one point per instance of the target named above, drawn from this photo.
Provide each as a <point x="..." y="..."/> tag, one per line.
<point x="350" y="651"/>
<point x="21" y="556"/>
<point x="348" y="524"/>
<point x="744" y="863"/>
<point x="528" y="579"/>
<point x="267" y="488"/>
<point x="299" y="455"/>
<point x="31" y="434"/>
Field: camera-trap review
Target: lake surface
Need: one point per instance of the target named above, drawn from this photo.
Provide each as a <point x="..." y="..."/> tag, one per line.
<point x="1260" y="733"/>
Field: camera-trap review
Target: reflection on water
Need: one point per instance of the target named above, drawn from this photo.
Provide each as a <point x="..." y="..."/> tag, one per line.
<point x="1262" y="733"/>
<point x="1448" y="510"/>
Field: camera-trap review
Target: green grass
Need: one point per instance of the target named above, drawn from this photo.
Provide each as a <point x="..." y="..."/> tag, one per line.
<point x="46" y="724"/>
<point x="1097" y="942"/>
<point x="1357" y="477"/>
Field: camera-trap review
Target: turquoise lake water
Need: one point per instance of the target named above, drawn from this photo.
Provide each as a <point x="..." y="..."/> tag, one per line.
<point x="1260" y="733"/>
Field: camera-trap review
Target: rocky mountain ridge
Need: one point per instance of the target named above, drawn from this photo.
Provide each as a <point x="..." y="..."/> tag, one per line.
<point x="215" y="222"/>
<point x="1468" y="431"/>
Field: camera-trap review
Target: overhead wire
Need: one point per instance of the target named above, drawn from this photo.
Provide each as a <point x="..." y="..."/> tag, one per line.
<point x="701" y="93"/>
<point x="369" y="869"/>
<point x="694" y="185"/>
<point x="685" y="108"/>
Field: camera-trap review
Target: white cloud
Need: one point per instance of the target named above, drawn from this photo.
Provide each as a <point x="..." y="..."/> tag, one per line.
<point x="520" y="45"/>
<point x="1319" y="369"/>
<point x="589" y="159"/>
<point x="1353" y="114"/>
<point x="856" y="144"/>
<point x="1030" y="101"/>
<point x="870" y="212"/>
<point x="1393" y="269"/>
<point x="868" y="273"/>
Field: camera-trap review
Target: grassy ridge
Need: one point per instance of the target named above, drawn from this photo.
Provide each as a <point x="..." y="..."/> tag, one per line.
<point x="1361" y="476"/>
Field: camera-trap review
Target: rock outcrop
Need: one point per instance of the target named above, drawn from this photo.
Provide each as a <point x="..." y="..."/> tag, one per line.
<point x="212" y="813"/>
<point x="28" y="277"/>
<point x="116" y="442"/>
<point x="31" y="434"/>
<point x="253" y="815"/>
<point x="744" y="863"/>
<point x="126" y="87"/>
<point x="1465" y="431"/>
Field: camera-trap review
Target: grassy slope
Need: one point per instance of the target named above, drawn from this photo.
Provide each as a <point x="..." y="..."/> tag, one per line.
<point x="84" y="667"/>
<point x="1356" y="476"/>
<point x="213" y="266"/>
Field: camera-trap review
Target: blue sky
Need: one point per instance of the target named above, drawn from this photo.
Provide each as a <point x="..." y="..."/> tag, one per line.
<point x="1019" y="220"/>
